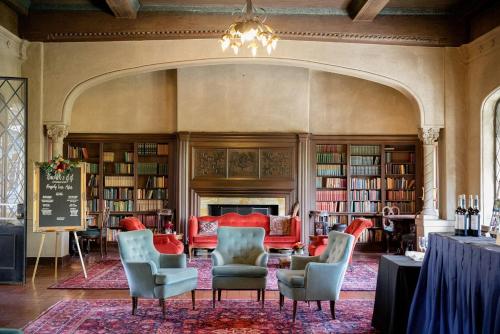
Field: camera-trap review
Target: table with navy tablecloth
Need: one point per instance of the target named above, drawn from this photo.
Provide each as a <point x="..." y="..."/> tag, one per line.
<point x="458" y="290"/>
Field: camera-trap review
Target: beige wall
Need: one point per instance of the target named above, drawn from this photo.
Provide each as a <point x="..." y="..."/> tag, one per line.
<point x="243" y="98"/>
<point x="12" y="53"/>
<point x="349" y="106"/>
<point x="143" y="103"/>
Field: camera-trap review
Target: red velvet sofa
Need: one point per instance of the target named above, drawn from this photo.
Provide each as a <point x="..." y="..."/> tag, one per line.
<point x="164" y="243"/>
<point x="233" y="219"/>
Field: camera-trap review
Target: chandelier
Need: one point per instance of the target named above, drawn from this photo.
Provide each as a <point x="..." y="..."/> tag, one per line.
<point x="249" y="29"/>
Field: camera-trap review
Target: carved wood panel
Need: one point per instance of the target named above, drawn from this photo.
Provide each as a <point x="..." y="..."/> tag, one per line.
<point x="276" y="163"/>
<point x="243" y="163"/>
<point x="210" y="163"/>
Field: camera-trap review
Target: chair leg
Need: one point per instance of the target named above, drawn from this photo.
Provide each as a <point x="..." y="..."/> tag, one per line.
<point x="258" y="295"/>
<point x="319" y="304"/>
<point x="282" y="301"/>
<point x="162" y="302"/>
<point x="190" y="253"/>
<point x="332" y="308"/>
<point x="213" y="297"/>
<point x="294" y="312"/>
<point x="263" y="297"/>
<point x="134" y="305"/>
<point x="193" y="298"/>
<point x="219" y="294"/>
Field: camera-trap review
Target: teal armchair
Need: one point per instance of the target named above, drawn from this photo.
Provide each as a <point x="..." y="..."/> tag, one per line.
<point x="151" y="274"/>
<point x="317" y="277"/>
<point x="239" y="261"/>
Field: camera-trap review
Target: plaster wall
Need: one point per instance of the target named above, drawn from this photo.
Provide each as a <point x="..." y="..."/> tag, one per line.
<point x="142" y="103"/>
<point x="12" y="53"/>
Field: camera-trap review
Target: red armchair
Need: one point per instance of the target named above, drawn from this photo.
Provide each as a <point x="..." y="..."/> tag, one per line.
<point x="164" y="243"/>
<point x="357" y="226"/>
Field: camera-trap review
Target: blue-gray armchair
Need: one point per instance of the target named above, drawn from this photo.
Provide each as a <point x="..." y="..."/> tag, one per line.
<point x="239" y="261"/>
<point x="317" y="277"/>
<point x="151" y="274"/>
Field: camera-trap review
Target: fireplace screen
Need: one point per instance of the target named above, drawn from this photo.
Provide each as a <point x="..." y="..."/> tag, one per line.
<point x="220" y="209"/>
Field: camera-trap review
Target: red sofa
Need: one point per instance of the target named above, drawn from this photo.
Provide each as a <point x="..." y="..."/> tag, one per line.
<point x="233" y="219"/>
<point x="164" y="243"/>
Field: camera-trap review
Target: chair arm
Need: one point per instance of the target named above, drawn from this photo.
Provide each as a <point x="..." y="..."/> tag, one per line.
<point x="148" y="267"/>
<point x="192" y="228"/>
<point x="173" y="261"/>
<point x="300" y="262"/>
<point x="261" y="260"/>
<point x="217" y="259"/>
<point x="324" y="280"/>
<point x="295" y="228"/>
<point x="141" y="278"/>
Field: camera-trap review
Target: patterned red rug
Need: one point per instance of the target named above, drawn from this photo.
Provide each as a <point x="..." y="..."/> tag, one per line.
<point x="109" y="274"/>
<point x="230" y="316"/>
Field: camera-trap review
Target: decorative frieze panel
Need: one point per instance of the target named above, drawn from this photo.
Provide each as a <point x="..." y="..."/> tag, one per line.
<point x="210" y="163"/>
<point x="243" y="163"/>
<point x="276" y="163"/>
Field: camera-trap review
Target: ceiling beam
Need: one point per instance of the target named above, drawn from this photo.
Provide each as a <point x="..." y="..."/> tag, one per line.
<point x="124" y="9"/>
<point x="20" y="6"/>
<point x="365" y="10"/>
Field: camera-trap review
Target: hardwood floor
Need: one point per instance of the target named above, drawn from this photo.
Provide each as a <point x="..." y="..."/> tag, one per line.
<point x="20" y="304"/>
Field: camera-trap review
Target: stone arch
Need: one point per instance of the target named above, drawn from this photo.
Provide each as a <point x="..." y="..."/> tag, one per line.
<point x="77" y="90"/>
<point x="488" y="107"/>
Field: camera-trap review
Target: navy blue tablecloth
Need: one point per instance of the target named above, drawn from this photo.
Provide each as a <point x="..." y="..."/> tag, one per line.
<point x="458" y="290"/>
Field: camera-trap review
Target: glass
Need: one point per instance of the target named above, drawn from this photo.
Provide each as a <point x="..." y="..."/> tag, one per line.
<point x="423" y="243"/>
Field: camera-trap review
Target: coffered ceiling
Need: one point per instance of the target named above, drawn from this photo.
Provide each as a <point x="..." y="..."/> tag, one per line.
<point x="405" y="22"/>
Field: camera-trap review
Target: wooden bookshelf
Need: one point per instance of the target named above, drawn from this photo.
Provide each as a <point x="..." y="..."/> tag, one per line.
<point x="357" y="176"/>
<point x="131" y="174"/>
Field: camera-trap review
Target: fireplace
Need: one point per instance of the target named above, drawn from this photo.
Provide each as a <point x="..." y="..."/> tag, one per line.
<point x="215" y="206"/>
<point x="220" y="209"/>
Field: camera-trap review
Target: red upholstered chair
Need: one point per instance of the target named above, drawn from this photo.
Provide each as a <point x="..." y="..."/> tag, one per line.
<point x="164" y="243"/>
<point x="355" y="228"/>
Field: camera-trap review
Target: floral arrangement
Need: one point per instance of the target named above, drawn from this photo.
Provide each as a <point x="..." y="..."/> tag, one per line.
<point x="58" y="165"/>
<point x="298" y="246"/>
<point x="169" y="226"/>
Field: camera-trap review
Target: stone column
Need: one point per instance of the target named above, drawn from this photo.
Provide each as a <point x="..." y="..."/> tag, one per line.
<point x="57" y="133"/>
<point x="303" y="183"/>
<point x="429" y="135"/>
<point x="183" y="170"/>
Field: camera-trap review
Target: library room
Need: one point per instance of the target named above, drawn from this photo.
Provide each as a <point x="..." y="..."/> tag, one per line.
<point x="249" y="166"/>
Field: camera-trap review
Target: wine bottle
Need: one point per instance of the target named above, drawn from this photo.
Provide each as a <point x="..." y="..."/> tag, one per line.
<point x="474" y="218"/>
<point x="460" y="217"/>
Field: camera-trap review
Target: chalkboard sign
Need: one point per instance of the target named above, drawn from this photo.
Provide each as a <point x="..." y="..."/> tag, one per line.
<point x="59" y="203"/>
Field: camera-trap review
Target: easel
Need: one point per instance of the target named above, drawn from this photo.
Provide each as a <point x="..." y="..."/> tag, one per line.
<point x="57" y="252"/>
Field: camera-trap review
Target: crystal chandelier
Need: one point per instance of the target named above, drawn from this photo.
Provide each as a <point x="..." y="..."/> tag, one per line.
<point x="249" y="29"/>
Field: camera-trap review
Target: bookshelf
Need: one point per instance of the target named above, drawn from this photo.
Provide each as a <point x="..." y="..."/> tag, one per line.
<point x="356" y="177"/>
<point x="127" y="173"/>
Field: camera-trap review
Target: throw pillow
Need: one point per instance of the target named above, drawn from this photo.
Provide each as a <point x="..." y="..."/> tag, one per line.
<point x="279" y="225"/>
<point x="208" y="228"/>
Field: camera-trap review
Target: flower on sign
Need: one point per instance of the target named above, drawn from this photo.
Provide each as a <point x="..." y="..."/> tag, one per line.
<point x="57" y="165"/>
<point x="298" y="245"/>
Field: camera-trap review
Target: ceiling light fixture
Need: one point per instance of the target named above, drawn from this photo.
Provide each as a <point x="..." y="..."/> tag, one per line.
<point x="249" y="29"/>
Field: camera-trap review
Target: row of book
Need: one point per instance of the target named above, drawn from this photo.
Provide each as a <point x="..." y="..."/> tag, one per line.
<point x="330" y="170"/>
<point x="366" y="206"/>
<point x="152" y="194"/>
<point x="330" y="182"/>
<point x="366" y="183"/>
<point x="365" y="195"/>
<point x="149" y="204"/>
<point x="330" y="148"/>
<point x="331" y="206"/>
<point x="93" y="192"/>
<point x="331" y="195"/>
<point x="92" y="168"/>
<point x="112" y="235"/>
<point x="118" y="193"/>
<point x="365" y="170"/>
<point x="365" y="160"/>
<point x="152" y="149"/>
<point x="365" y="149"/>
<point x="400" y="183"/>
<point x="404" y="207"/>
<point x="332" y="220"/>
<point x="114" y="220"/>
<point x="119" y="181"/>
<point x="127" y="205"/>
<point x="400" y="169"/>
<point x="156" y="182"/>
<point x="120" y="168"/>
<point x="93" y="180"/>
<point x="78" y="152"/>
<point x="108" y="156"/>
<point x="401" y="195"/>
<point x="400" y="157"/>
<point x="371" y="236"/>
<point x="151" y="168"/>
<point x="325" y="158"/>
<point x="93" y="205"/>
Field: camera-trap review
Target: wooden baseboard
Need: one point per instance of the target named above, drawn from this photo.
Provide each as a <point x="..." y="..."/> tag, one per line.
<point x="48" y="260"/>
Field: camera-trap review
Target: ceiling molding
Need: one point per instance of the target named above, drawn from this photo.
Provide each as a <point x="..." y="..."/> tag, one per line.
<point x="20" y="6"/>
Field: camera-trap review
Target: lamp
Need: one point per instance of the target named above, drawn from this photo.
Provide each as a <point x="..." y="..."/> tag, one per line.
<point x="249" y="29"/>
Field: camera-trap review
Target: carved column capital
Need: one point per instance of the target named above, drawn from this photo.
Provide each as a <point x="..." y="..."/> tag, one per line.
<point x="57" y="132"/>
<point x="428" y="135"/>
